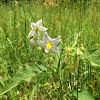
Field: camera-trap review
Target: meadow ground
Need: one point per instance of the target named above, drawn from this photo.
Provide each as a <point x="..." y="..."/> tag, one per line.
<point x="28" y="73"/>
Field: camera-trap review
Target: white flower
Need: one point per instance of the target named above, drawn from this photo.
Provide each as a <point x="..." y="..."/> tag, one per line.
<point x="36" y="28"/>
<point x="49" y="44"/>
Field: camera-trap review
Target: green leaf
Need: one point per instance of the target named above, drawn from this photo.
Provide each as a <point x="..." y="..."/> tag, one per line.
<point x="93" y="56"/>
<point x="84" y="94"/>
<point x="23" y="74"/>
<point x="95" y="64"/>
<point x="41" y="67"/>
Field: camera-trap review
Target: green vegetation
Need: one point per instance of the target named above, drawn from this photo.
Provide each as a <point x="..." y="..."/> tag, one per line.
<point x="28" y="73"/>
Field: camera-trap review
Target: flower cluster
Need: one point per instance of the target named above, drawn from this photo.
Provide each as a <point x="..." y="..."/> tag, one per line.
<point x="48" y="43"/>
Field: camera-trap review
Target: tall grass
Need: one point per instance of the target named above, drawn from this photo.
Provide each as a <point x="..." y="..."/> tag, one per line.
<point x="71" y="77"/>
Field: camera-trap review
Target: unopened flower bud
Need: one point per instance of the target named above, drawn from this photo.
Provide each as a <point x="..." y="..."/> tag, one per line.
<point x="32" y="42"/>
<point x="39" y="48"/>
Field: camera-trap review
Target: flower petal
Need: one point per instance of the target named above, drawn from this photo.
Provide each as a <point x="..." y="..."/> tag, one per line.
<point x="55" y="49"/>
<point x="33" y="25"/>
<point x="39" y="23"/>
<point x="43" y="28"/>
<point x="46" y="50"/>
<point x="46" y="38"/>
<point x="55" y="41"/>
<point x="41" y="43"/>
<point x="31" y="33"/>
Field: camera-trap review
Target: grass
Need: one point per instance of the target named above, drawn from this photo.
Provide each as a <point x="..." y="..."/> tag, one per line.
<point x="59" y="76"/>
